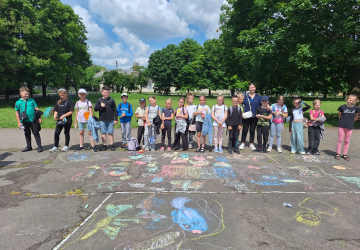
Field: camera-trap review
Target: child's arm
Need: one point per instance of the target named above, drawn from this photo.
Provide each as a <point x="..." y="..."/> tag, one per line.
<point x="129" y="114"/>
<point x="307" y="107"/>
<point x="340" y="115"/>
<point x="171" y="117"/>
<point x="146" y="116"/>
<point x="224" y="119"/>
<point x="55" y="115"/>
<point x="356" y="117"/>
<point x="90" y="111"/>
<point x="18" y="119"/>
<point x="76" y="115"/>
<point x="268" y="117"/>
<point x="66" y="115"/>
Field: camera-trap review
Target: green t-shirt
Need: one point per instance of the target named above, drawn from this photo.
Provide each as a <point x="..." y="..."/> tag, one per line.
<point x="30" y="108"/>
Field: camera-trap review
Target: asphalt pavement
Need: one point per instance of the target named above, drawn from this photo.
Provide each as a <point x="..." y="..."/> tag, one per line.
<point x="177" y="200"/>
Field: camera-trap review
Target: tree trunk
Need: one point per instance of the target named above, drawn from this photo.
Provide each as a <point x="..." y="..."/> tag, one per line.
<point x="232" y="92"/>
<point x="7" y="94"/>
<point x="44" y="86"/>
<point x="209" y="92"/>
<point x="355" y="83"/>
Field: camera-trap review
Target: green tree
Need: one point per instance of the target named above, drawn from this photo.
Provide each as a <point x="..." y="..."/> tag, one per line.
<point x="293" y="46"/>
<point x="89" y="82"/>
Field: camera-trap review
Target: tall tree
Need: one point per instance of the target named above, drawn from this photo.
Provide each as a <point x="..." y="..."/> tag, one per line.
<point x="288" y="46"/>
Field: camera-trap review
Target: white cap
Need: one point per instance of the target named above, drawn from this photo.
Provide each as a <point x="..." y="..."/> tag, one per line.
<point x="124" y="94"/>
<point x="82" y="91"/>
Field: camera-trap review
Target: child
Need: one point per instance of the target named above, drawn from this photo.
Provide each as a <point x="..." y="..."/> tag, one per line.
<point x="140" y="114"/>
<point x="263" y="124"/>
<point x="26" y="105"/>
<point x="234" y="122"/>
<point x="83" y="110"/>
<point x="167" y="116"/>
<point x="348" y="114"/>
<point x="125" y="112"/>
<point x="201" y="110"/>
<point x="279" y="112"/>
<point x="190" y="108"/>
<point x="240" y="96"/>
<point x="181" y="125"/>
<point x="63" y="115"/>
<point x="314" y="131"/>
<point x="219" y="114"/>
<point x="150" y="134"/>
<point x="296" y="126"/>
<point x="108" y="117"/>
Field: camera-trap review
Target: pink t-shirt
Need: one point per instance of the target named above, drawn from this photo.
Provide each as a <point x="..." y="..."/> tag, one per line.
<point x="315" y="114"/>
<point x="179" y="111"/>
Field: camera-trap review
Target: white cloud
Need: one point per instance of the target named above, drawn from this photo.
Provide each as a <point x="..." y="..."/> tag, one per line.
<point x="137" y="46"/>
<point x="96" y="35"/>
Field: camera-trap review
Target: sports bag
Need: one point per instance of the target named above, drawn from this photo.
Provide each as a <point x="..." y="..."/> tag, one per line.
<point x="133" y="144"/>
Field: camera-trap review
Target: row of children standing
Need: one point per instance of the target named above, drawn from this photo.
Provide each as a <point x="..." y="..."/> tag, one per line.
<point x="190" y="120"/>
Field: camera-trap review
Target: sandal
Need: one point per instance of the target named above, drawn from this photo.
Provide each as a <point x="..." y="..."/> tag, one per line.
<point x="198" y="149"/>
<point x="337" y="157"/>
<point x="347" y="158"/>
<point x="202" y="150"/>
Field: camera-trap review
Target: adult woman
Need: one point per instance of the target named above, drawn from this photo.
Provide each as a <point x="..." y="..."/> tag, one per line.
<point x="251" y="102"/>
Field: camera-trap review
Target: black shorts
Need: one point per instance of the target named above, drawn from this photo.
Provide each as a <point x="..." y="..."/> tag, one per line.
<point x="199" y="126"/>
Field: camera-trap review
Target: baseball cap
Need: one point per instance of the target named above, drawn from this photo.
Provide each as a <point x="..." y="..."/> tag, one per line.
<point x="142" y="100"/>
<point x="82" y="91"/>
<point x="265" y="98"/>
<point x="124" y="94"/>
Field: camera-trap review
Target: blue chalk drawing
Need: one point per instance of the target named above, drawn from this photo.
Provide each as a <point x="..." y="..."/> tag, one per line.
<point x="157" y="179"/>
<point x="184" y="155"/>
<point x="269" y="180"/>
<point x="136" y="157"/>
<point x="187" y="218"/>
<point x="222" y="159"/>
<point x="225" y="173"/>
<point x="78" y="157"/>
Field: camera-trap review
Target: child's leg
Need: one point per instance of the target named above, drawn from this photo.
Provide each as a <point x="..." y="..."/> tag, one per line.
<point x="35" y="131"/>
<point x="104" y="138"/>
<point x="341" y="133"/>
<point x="140" y="133"/>
<point x="168" y="131"/>
<point x="348" y="133"/>
<point x="128" y="131"/>
<point x="317" y="131"/>
<point x="191" y="137"/>
<point x="163" y="134"/>
<point x="103" y="131"/>
<point x="91" y="139"/>
<point x="259" y="136"/>
<point x="67" y="133"/>
<point x="123" y="132"/>
<point x="203" y="140"/>
<point x="198" y="139"/>
<point x="252" y="129"/>
<point x="27" y="133"/>
<point x="245" y="130"/>
<point x="81" y="137"/>
<point x="147" y="136"/>
<point x="153" y="133"/>
<point x="293" y="138"/>
<point x="220" y="136"/>
<point x="311" y="136"/>
<point x="266" y="130"/>
<point x="272" y="133"/>
<point x="279" y="127"/>
<point x="216" y="131"/>
<point x="300" y="138"/>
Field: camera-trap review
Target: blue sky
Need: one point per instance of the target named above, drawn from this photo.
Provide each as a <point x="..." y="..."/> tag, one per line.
<point x="129" y="31"/>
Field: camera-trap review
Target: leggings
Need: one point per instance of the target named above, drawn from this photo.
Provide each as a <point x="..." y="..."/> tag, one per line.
<point x="167" y="129"/>
<point x="275" y="128"/>
<point x="341" y="133"/>
<point x="250" y="122"/>
<point x="58" y="130"/>
<point x="218" y="136"/>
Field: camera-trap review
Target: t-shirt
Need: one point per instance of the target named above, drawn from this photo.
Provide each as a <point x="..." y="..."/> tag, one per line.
<point x="263" y="121"/>
<point x="204" y="110"/>
<point x="153" y="111"/>
<point x="190" y="109"/>
<point x="277" y="108"/>
<point x="315" y="114"/>
<point x="167" y="113"/>
<point x="347" y="116"/>
<point x="107" y="113"/>
<point x="219" y="113"/>
<point x="140" y="111"/>
<point x="180" y="111"/>
<point x="30" y="108"/>
<point x="63" y="107"/>
<point x="83" y="107"/>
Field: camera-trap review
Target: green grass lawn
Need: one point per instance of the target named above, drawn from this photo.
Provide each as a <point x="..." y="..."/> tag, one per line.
<point x="8" y="120"/>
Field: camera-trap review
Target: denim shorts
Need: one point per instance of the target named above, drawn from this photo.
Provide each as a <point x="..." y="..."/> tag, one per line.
<point x="82" y="126"/>
<point x="107" y="127"/>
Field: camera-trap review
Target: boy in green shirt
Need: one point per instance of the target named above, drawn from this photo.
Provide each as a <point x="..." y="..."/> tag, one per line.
<point x="26" y="105"/>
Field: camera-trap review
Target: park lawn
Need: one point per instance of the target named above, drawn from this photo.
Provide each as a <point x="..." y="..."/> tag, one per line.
<point x="8" y="120"/>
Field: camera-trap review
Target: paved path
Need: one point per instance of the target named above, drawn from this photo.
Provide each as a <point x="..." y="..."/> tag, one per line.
<point x="177" y="200"/>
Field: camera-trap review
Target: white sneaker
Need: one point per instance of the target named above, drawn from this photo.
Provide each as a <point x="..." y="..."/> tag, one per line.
<point x="302" y="153"/>
<point x="190" y="145"/>
<point x="64" y="149"/>
<point x="279" y="150"/>
<point x="252" y="147"/>
<point x="269" y="149"/>
<point x="242" y="145"/>
<point x="54" y="149"/>
<point x="293" y="152"/>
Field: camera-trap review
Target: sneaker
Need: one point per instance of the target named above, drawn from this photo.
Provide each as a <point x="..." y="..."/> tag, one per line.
<point x="183" y="149"/>
<point x="112" y="147"/>
<point x="168" y="149"/>
<point x="236" y="150"/>
<point x="264" y="150"/>
<point x="216" y="150"/>
<point x="94" y="149"/>
<point x="221" y="150"/>
<point x="190" y="146"/>
<point x="269" y="149"/>
<point x="104" y="148"/>
<point x="279" y="150"/>
<point x="162" y="148"/>
<point x="123" y="145"/>
<point x="259" y="150"/>
<point x="308" y="152"/>
<point x="230" y="151"/>
<point x="302" y="152"/>
<point x="65" y="148"/>
<point x="28" y="148"/>
<point x="293" y="152"/>
<point x="317" y="153"/>
<point x="242" y="146"/>
<point x="153" y="149"/>
<point x="146" y="149"/>
<point x="54" y="149"/>
<point x="40" y="149"/>
<point x="80" y="148"/>
<point x="252" y="147"/>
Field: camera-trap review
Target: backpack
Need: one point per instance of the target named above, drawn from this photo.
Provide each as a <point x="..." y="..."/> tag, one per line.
<point x="230" y="110"/>
<point x="133" y="144"/>
<point x="187" y="120"/>
<point x="129" y="106"/>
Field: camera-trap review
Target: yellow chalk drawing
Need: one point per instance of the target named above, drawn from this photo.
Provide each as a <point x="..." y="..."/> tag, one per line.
<point x="158" y="242"/>
<point x="339" y="167"/>
<point x="310" y="217"/>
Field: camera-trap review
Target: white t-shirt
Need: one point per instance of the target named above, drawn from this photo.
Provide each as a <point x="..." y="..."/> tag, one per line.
<point x="278" y="108"/>
<point x="219" y="113"/>
<point x="190" y="109"/>
<point x="204" y="110"/>
<point x="140" y="111"/>
<point x="83" y="107"/>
